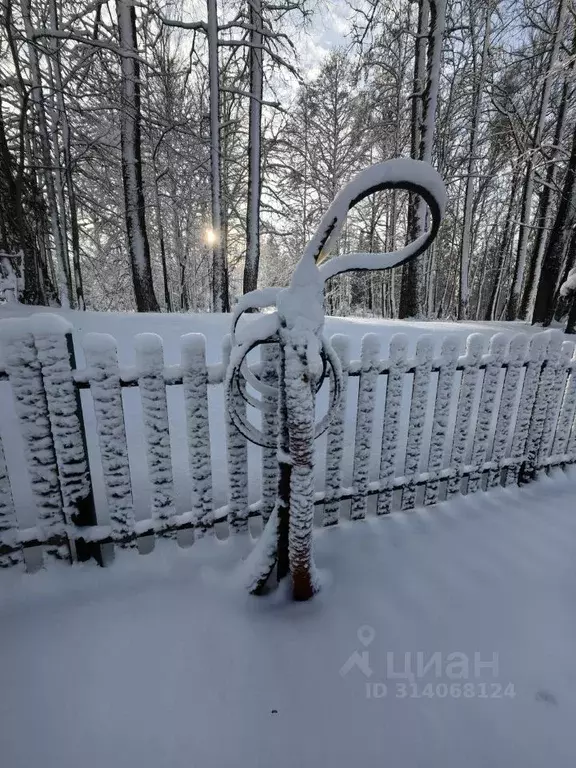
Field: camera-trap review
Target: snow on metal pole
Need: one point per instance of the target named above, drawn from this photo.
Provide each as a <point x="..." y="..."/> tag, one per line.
<point x="195" y="385"/>
<point x="237" y="455"/>
<point x="300" y="423"/>
<point x="150" y="368"/>
<point x="55" y="349"/>
<point x="417" y="418"/>
<point x="440" y="421"/>
<point x="104" y="378"/>
<point x="25" y="375"/>
<point x="10" y="553"/>
<point x="536" y="356"/>
<point x="475" y="346"/>
<point x="506" y="412"/>
<point x="335" y="437"/>
<point x="269" y="353"/>
<point x="368" y="383"/>
<point x="398" y="364"/>
<point x="492" y="372"/>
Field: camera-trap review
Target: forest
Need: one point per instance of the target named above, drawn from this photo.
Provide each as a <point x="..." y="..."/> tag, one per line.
<point x="169" y="156"/>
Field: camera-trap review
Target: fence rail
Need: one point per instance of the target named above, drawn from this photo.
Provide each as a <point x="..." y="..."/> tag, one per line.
<point x="499" y="413"/>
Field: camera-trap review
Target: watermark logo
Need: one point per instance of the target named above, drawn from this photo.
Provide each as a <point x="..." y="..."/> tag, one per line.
<point x="360" y="659"/>
<point x="418" y="674"/>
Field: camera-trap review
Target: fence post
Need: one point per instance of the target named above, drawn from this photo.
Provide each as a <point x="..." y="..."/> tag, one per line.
<point x="516" y="358"/>
<point x="417" y="419"/>
<point x="299" y="387"/>
<point x="23" y="369"/>
<point x="104" y="377"/>
<point x="364" y="423"/>
<point x="545" y="398"/>
<point x="497" y="354"/>
<point x="554" y="402"/>
<point x="335" y="436"/>
<point x="567" y="412"/>
<point x="150" y="368"/>
<point x="55" y="349"/>
<point x="195" y="385"/>
<point x="475" y="346"/>
<point x="269" y="354"/>
<point x="536" y="357"/>
<point x="10" y="552"/>
<point x="444" y="387"/>
<point x="237" y="457"/>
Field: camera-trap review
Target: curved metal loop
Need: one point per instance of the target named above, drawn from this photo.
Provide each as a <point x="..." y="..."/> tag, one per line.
<point x="301" y="303"/>
<point x="234" y="383"/>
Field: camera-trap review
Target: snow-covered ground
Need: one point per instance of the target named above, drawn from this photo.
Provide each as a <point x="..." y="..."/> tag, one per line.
<point x="160" y="661"/>
<point x="124" y="326"/>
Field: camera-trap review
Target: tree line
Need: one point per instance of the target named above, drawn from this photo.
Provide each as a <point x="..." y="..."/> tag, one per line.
<point x="164" y="156"/>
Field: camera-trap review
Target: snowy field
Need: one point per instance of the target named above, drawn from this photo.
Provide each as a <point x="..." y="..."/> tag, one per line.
<point x="160" y="661"/>
<point x="171" y="327"/>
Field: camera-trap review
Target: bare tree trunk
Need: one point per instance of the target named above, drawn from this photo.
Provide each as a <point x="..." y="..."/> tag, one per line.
<point x="544" y="205"/>
<point x="478" y="88"/>
<point x="559" y="238"/>
<point x="411" y="272"/>
<point x="411" y="299"/>
<point x="37" y="98"/>
<point x="252" y="258"/>
<point x="130" y="139"/>
<point x="513" y="305"/>
<point x="220" y="299"/>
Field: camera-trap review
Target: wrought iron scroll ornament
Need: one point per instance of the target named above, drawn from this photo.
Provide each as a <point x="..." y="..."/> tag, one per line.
<point x="306" y="355"/>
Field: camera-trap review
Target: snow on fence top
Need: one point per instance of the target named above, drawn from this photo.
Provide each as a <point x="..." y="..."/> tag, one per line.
<point x="414" y="429"/>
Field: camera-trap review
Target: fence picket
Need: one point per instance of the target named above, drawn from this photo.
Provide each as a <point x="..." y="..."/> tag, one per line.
<point x="104" y="376"/>
<point x="391" y="425"/>
<point x="269" y="353"/>
<point x="555" y="400"/>
<point x="195" y="385"/>
<point x="546" y="398"/>
<point x="475" y="346"/>
<point x="237" y="455"/>
<point x="444" y="388"/>
<point x="335" y="436"/>
<point x="55" y="349"/>
<point x="516" y="358"/>
<point x="417" y="418"/>
<point x="364" y="421"/>
<point x="567" y="413"/>
<point x="486" y="407"/>
<point x="536" y="357"/>
<point x="150" y="369"/>
<point x="10" y="553"/>
<point x="25" y="375"/>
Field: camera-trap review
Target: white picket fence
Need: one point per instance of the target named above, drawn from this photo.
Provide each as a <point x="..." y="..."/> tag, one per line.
<point x="500" y="413"/>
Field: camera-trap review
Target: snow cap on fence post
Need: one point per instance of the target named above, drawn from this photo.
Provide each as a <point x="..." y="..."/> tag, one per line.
<point x="104" y="377"/>
<point x="566" y="419"/>
<point x="55" y="348"/>
<point x="494" y="361"/>
<point x="398" y="352"/>
<point x="475" y="346"/>
<point x="195" y="384"/>
<point x="367" y="386"/>
<point x="150" y="368"/>
<point x="449" y="355"/>
<point x="335" y="438"/>
<point x="417" y="418"/>
<point x="23" y="369"/>
<point x="517" y="355"/>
